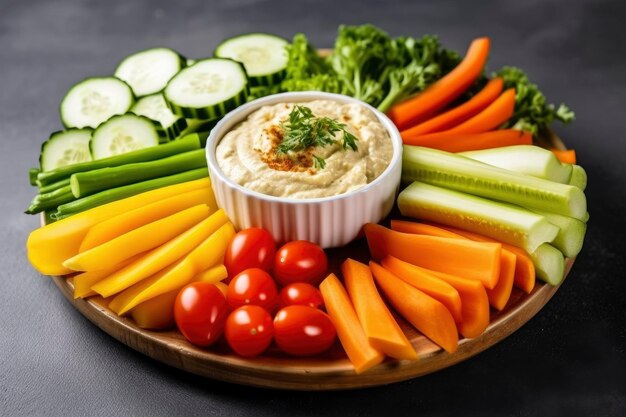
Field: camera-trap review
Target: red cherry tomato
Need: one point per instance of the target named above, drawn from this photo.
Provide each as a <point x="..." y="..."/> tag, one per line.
<point x="250" y="248"/>
<point x="249" y="330"/>
<point x="200" y="312"/>
<point x="303" y="330"/>
<point x="252" y="286"/>
<point x="300" y="261"/>
<point x="301" y="294"/>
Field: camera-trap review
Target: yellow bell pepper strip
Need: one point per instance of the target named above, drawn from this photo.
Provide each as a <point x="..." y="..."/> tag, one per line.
<point x="222" y="287"/>
<point x="82" y="282"/>
<point x="157" y="313"/>
<point x="161" y="257"/>
<point x="137" y="241"/>
<point x="208" y="253"/>
<point x="125" y="222"/>
<point x="213" y="275"/>
<point x="49" y="246"/>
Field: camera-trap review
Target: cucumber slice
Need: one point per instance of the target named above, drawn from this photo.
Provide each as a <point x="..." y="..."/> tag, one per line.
<point x="463" y="174"/>
<point x="579" y="177"/>
<point x="95" y="100"/>
<point x="525" y="159"/>
<point x="263" y="55"/>
<point x="549" y="264"/>
<point x="147" y="72"/>
<point x="504" y="222"/>
<point x="155" y="108"/>
<point x="122" y="134"/>
<point x="208" y="89"/>
<point x="571" y="234"/>
<point x="65" y="148"/>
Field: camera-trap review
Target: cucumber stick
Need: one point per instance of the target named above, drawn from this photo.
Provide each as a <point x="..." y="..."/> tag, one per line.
<point x="147" y="72"/>
<point x="579" y="177"/>
<point x="122" y="134"/>
<point x="504" y="222"/>
<point x="571" y="234"/>
<point x="525" y="159"/>
<point x="119" y="193"/>
<point x="91" y="182"/>
<point x="549" y="264"/>
<point x="208" y="89"/>
<point x="463" y="174"/>
<point x="94" y="100"/>
<point x="155" y="108"/>
<point x="187" y="143"/>
<point x="65" y="148"/>
<point x="264" y="56"/>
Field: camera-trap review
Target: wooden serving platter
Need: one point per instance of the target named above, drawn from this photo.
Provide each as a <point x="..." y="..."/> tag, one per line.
<point x="331" y="371"/>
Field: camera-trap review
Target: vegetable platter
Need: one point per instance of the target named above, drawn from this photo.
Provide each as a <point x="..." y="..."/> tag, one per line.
<point x="238" y="216"/>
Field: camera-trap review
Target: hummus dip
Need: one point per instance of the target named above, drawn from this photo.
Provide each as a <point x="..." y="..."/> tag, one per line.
<point x="247" y="154"/>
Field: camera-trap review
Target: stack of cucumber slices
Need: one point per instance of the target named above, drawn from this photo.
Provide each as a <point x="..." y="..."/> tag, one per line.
<point x="157" y="95"/>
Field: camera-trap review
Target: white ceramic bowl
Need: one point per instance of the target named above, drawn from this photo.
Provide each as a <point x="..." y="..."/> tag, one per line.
<point x="328" y="221"/>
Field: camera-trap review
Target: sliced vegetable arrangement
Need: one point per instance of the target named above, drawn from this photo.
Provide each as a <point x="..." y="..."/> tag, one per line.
<point x="132" y="218"/>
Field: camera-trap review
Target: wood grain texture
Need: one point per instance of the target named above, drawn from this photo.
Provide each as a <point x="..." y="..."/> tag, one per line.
<point x="331" y="371"/>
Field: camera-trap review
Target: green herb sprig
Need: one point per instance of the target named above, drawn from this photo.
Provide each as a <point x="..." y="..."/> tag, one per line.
<point x="304" y="130"/>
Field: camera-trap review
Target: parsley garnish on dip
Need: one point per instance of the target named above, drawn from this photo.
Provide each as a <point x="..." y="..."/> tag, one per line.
<point x="318" y="149"/>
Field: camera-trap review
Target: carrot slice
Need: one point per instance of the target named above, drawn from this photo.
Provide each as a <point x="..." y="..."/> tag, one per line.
<point x="453" y="117"/>
<point x="490" y="118"/>
<point x="461" y="142"/>
<point x="425" y="313"/>
<point x="474" y="301"/>
<point x="500" y="294"/>
<point x="379" y="325"/>
<point x="351" y="334"/>
<point x="435" y="288"/>
<point x="445" y="90"/>
<point x="524" y="277"/>
<point x="469" y="259"/>
<point x="567" y="157"/>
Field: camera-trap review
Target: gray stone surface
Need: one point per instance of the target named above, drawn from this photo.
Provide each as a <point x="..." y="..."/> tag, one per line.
<point x="569" y="360"/>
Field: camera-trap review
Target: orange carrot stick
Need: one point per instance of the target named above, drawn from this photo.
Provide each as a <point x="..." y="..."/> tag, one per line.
<point x="351" y="335"/>
<point x="445" y="90"/>
<point x="381" y="328"/>
<point x="567" y="157"/>
<point x="425" y="313"/>
<point x="461" y="142"/>
<point x="474" y="301"/>
<point x="469" y="259"/>
<point x="490" y="118"/>
<point x="453" y="117"/>
<point x="435" y="288"/>
<point x="524" y="277"/>
<point x="500" y="294"/>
